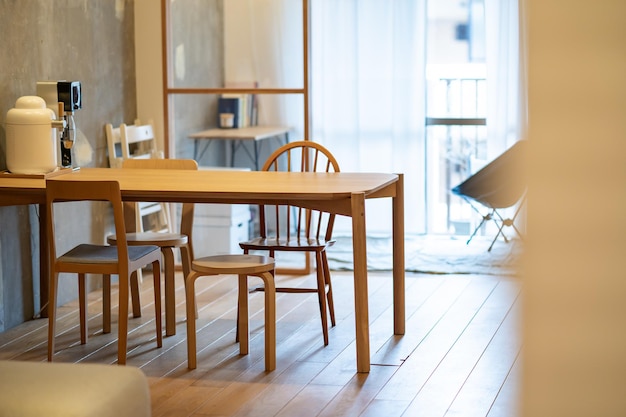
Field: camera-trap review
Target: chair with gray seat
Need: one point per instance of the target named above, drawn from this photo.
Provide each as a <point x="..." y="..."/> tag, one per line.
<point x="88" y="258"/>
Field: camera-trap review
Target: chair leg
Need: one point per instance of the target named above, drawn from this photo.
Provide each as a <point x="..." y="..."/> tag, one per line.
<point x="505" y="222"/>
<point x="245" y="252"/>
<point x="329" y="292"/>
<point x="122" y="322"/>
<point x="106" y="303"/>
<point x="185" y="254"/>
<point x="52" y="309"/>
<point x="500" y="232"/>
<point x="185" y="260"/>
<point x="156" y="276"/>
<point x="190" y="302"/>
<point x="519" y="234"/>
<point x="270" y="320"/>
<point x="482" y="221"/>
<point x="321" y="294"/>
<point x="243" y="331"/>
<point x="510" y="222"/>
<point x="170" y="291"/>
<point x="82" y="309"/>
<point x="134" y="292"/>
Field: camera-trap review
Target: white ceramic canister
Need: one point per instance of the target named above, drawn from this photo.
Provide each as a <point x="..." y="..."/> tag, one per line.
<point x="32" y="143"/>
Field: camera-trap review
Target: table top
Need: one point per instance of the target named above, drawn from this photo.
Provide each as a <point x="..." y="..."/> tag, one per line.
<point x="243" y="133"/>
<point x="206" y="186"/>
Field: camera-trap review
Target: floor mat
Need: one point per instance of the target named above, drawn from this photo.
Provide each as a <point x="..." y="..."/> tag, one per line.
<point x="432" y="254"/>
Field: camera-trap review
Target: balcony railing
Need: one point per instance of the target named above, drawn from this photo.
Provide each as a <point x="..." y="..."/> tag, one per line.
<point x="456" y="147"/>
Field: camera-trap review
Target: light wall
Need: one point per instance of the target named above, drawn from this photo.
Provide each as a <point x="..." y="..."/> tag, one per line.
<point x="574" y="321"/>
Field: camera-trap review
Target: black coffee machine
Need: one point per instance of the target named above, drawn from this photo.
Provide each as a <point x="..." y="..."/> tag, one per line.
<point x="63" y="98"/>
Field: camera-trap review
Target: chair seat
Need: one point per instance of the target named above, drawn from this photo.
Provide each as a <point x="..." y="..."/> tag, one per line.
<point x="233" y="264"/>
<point x="296" y="244"/>
<point x="89" y="253"/>
<point x="242" y="266"/>
<point x="152" y="238"/>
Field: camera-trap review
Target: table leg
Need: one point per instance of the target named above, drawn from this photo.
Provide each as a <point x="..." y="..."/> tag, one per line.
<point x="170" y="291"/>
<point x="398" y="258"/>
<point x="197" y="157"/>
<point x="361" y="310"/>
<point x="44" y="270"/>
<point x="256" y="155"/>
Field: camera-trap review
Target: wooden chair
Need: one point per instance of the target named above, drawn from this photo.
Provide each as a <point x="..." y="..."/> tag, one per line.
<point x="138" y="141"/>
<point x="243" y="266"/>
<point x="297" y="229"/>
<point x="85" y="258"/>
<point x="167" y="241"/>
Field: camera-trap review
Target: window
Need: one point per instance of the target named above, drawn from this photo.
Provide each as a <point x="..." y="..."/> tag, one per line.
<point x="456" y="109"/>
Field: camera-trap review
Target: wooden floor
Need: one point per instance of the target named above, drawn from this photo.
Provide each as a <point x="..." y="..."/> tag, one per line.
<point x="459" y="356"/>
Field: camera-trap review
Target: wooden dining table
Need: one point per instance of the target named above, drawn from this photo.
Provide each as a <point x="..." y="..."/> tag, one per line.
<point x="342" y="193"/>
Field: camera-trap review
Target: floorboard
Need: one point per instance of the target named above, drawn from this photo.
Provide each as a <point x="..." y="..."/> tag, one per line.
<point x="460" y="355"/>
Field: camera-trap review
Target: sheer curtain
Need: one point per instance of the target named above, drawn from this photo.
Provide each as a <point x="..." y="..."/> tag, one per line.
<point x="506" y="96"/>
<point x="263" y="44"/>
<point x="368" y="94"/>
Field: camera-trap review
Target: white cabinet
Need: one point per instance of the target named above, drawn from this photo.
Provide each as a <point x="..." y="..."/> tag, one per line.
<point x="218" y="228"/>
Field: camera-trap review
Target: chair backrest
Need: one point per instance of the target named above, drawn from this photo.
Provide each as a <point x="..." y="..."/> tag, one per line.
<point x="186" y="222"/>
<point x="295" y="222"/>
<point x="501" y="183"/>
<point x="71" y="191"/>
<point x="114" y="145"/>
<point x="131" y="142"/>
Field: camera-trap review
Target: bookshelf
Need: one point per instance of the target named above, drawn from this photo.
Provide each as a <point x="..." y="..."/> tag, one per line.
<point x="201" y="34"/>
<point x="173" y="92"/>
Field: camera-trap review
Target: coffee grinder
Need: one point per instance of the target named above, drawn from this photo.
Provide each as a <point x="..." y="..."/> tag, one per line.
<point x="63" y="98"/>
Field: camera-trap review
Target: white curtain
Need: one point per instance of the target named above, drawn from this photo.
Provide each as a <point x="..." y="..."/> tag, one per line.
<point x="506" y="94"/>
<point x="368" y="63"/>
<point x="263" y="44"/>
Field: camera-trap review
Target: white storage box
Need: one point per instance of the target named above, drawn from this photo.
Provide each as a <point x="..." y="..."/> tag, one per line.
<point x="218" y="228"/>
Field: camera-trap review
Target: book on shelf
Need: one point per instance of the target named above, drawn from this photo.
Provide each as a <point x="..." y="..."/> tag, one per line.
<point x="229" y="105"/>
<point x="247" y="103"/>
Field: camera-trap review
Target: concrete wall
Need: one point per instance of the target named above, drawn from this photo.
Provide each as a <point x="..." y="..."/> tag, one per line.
<point x="197" y="56"/>
<point x="91" y="41"/>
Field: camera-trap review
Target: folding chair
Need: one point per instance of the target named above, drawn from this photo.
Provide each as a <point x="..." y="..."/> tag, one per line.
<point x="498" y="185"/>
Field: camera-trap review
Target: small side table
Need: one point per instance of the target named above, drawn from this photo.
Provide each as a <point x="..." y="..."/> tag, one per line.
<point x="238" y="136"/>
